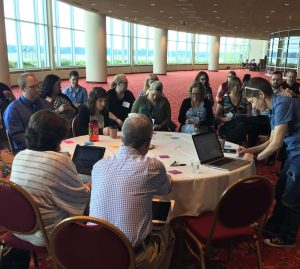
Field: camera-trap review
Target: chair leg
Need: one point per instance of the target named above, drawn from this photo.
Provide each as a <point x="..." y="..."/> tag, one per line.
<point x="258" y="255"/>
<point x="1" y="255"/>
<point x="36" y="260"/>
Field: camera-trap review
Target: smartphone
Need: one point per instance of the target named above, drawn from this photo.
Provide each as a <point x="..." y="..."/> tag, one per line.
<point x="161" y="210"/>
<point x="229" y="150"/>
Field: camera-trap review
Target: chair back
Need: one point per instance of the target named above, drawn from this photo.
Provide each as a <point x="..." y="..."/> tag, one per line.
<point x="244" y="202"/>
<point x="75" y="126"/>
<point x="19" y="213"/>
<point x="98" y="244"/>
<point x="10" y="142"/>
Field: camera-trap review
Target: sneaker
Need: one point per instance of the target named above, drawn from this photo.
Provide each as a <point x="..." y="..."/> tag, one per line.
<point x="278" y="242"/>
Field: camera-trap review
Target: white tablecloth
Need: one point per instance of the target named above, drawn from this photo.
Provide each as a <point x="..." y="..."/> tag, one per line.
<point x="194" y="193"/>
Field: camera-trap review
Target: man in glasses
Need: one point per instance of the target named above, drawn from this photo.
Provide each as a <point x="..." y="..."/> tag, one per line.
<point x="18" y="113"/>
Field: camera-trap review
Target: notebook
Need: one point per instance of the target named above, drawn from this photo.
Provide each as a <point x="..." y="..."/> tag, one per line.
<point x="210" y="152"/>
<point x="85" y="157"/>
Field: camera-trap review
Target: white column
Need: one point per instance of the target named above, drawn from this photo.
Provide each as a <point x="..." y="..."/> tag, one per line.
<point x="95" y="47"/>
<point x="50" y="34"/>
<point x="4" y="66"/>
<point x="160" y="51"/>
<point x="213" y="61"/>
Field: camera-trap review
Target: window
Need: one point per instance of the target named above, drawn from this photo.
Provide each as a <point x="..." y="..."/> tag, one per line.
<point x="26" y="34"/>
<point x="201" y="49"/>
<point x="233" y="50"/>
<point x="69" y="41"/>
<point x="118" y="42"/>
<point x="179" y="48"/>
<point x="143" y="44"/>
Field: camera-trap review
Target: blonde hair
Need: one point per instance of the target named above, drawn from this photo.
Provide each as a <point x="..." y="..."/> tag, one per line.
<point x="117" y="80"/>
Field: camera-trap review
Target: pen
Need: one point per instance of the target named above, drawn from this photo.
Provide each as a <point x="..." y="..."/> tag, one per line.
<point x="173" y="163"/>
<point x="180" y="164"/>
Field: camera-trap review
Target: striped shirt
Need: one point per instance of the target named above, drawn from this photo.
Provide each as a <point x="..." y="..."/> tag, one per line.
<point x="122" y="190"/>
<point x="51" y="179"/>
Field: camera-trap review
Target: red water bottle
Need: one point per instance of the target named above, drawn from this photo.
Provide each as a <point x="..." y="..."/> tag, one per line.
<point x="93" y="131"/>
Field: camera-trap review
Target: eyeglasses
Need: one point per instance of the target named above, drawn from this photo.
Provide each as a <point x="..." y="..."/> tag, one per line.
<point x="36" y="86"/>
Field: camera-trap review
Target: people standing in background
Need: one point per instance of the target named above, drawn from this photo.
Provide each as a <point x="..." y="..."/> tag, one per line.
<point x="204" y="79"/>
<point x="150" y="78"/>
<point x="76" y="93"/>
<point x="120" y="100"/>
<point x="223" y="88"/>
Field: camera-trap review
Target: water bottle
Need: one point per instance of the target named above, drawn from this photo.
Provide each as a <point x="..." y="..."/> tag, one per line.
<point x="93" y="131"/>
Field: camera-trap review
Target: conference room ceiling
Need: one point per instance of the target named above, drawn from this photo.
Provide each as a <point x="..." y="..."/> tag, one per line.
<point x="235" y="18"/>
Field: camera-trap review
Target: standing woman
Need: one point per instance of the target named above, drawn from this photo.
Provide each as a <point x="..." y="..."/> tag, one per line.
<point x="195" y="113"/>
<point x="94" y="109"/>
<point x="285" y="125"/>
<point x="120" y="100"/>
<point x="232" y="107"/>
<point x="155" y="106"/>
<point x="204" y="79"/>
<point x="61" y="103"/>
<point x="150" y="78"/>
<point x="223" y="88"/>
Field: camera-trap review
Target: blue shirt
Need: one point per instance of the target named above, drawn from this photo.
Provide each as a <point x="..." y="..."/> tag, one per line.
<point x="123" y="188"/>
<point x="17" y="116"/>
<point x="286" y="110"/>
<point x="79" y="96"/>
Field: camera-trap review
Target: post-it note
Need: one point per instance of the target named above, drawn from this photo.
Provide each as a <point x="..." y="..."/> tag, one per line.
<point x="68" y="141"/>
<point x="174" y="172"/>
<point x="164" y="156"/>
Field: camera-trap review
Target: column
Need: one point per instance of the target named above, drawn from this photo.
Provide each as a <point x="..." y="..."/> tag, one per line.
<point x="95" y="47"/>
<point x="213" y="61"/>
<point x="50" y="34"/>
<point x="4" y="66"/>
<point x="160" y="51"/>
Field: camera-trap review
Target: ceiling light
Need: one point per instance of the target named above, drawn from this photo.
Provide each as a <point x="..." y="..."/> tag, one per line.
<point x="93" y="4"/>
<point x="223" y="21"/>
<point x="215" y="11"/>
<point x="267" y="17"/>
<point x="109" y="11"/>
<point x="215" y="5"/>
<point x="287" y="4"/>
<point x="267" y="21"/>
<point x="171" y="17"/>
<point x="161" y="11"/>
<point x="290" y="17"/>
<point x="153" y="5"/>
<point x="272" y="11"/>
<point x="217" y="17"/>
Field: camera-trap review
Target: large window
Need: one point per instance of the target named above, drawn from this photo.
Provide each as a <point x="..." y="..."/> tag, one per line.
<point x="69" y="41"/>
<point x="118" y="42"/>
<point x="143" y="44"/>
<point x="233" y="50"/>
<point x="201" y="49"/>
<point x="26" y="34"/>
<point x="179" y="48"/>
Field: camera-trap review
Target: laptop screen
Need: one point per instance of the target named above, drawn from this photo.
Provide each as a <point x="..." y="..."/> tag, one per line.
<point x="86" y="156"/>
<point x="208" y="147"/>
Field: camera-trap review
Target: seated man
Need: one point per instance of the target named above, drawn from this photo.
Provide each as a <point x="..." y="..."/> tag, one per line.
<point x="290" y="86"/>
<point x="76" y="93"/>
<point x="18" y="113"/>
<point x="122" y="190"/>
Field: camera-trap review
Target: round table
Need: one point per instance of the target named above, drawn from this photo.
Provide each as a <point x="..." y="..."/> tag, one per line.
<point x="194" y="193"/>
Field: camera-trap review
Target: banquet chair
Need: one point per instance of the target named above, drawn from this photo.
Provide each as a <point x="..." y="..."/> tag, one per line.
<point x="10" y="142"/>
<point x="74" y="244"/>
<point x="75" y="126"/>
<point x="19" y="215"/>
<point x="239" y="217"/>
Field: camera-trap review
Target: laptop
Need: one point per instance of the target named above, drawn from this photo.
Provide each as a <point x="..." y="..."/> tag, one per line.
<point x="161" y="210"/>
<point x="210" y="153"/>
<point x="85" y="157"/>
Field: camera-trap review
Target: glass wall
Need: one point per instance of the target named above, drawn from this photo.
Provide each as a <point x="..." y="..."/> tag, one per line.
<point x="179" y="47"/>
<point x="117" y="42"/>
<point x="69" y="47"/>
<point x="283" y="51"/>
<point x="26" y="34"/>
<point x="233" y="50"/>
<point x="143" y="44"/>
<point x="201" y="49"/>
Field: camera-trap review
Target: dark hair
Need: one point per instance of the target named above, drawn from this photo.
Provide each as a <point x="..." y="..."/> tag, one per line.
<point x="198" y="85"/>
<point x="3" y="87"/>
<point x="246" y="78"/>
<point x="232" y="82"/>
<point x="95" y="94"/>
<point x="232" y="73"/>
<point x="277" y="73"/>
<point x="258" y="84"/>
<point x="200" y="74"/>
<point x="292" y="71"/>
<point x="45" y="131"/>
<point x="73" y="73"/>
<point x="47" y="85"/>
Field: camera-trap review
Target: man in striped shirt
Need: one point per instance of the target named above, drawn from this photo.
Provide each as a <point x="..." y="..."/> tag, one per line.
<point x="122" y="190"/>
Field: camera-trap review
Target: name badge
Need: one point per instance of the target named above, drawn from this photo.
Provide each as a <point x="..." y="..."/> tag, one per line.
<point x="126" y="104"/>
<point x="229" y="115"/>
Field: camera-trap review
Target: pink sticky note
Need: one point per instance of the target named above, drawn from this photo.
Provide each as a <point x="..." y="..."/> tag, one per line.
<point x="164" y="156"/>
<point x="174" y="172"/>
<point x="68" y="141"/>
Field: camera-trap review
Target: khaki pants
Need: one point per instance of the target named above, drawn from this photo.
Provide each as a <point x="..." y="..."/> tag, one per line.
<point x="159" y="251"/>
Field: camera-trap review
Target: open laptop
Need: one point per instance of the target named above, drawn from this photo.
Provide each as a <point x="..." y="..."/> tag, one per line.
<point x="210" y="152"/>
<point x="85" y="157"/>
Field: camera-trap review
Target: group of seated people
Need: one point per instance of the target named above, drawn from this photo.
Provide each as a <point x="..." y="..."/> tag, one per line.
<point x="124" y="184"/>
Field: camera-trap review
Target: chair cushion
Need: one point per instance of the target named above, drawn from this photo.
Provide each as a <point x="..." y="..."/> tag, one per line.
<point x="12" y="241"/>
<point x="200" y="227"/>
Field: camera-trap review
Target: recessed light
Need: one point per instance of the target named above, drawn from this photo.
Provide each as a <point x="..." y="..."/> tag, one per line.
<point x="267" y="17"/>
<point x="223" y="21"/>
<point x="290" y="17"/>
<point x="109" y="11"/>
<point x="287" y="4"/>
<point x="272" y="11"/>
<point x="161" y="11"/>
<point x="171" y="17"/>
<point x="268" y="21"/>
<point x="153" y="5"/>
<point x="93" y="4"/>
<point x="217" y="17"/>
<point x="215" y="5"/>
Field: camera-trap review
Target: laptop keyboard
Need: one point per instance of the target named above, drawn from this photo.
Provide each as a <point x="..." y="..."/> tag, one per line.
<point x="222" y="161"/>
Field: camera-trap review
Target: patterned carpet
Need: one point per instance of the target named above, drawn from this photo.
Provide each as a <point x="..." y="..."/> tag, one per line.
<point x="175" y="89"/>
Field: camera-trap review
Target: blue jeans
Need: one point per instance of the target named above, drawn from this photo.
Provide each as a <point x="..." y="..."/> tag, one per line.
<point x="286" y="213"/>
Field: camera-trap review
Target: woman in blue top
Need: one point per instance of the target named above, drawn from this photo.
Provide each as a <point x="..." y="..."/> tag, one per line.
<point x="285" y="125"/>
